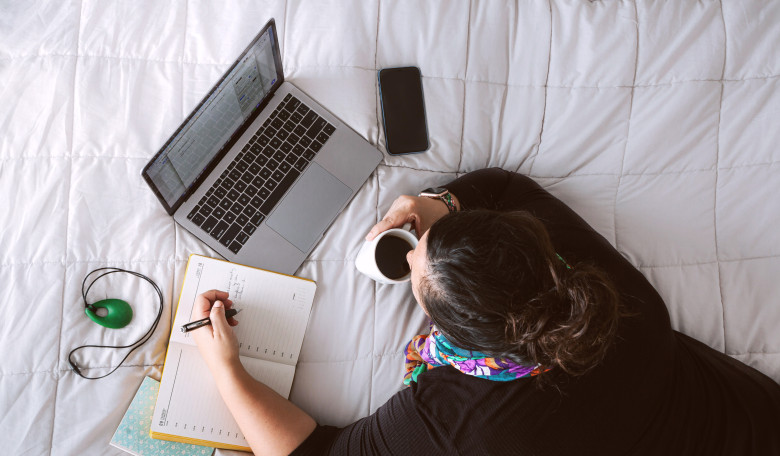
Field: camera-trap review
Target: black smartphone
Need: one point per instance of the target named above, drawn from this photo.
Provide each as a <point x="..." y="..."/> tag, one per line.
<point x="403" y="110"/>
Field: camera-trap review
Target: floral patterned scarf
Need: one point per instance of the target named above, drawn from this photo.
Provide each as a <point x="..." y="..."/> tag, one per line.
<point x="426" y="351"/>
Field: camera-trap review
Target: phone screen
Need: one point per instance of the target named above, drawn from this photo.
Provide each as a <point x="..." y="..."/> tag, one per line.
<point x="403" y="110"/>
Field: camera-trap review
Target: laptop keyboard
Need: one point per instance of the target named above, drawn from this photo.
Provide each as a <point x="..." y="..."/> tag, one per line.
<point x="258" y="177"/>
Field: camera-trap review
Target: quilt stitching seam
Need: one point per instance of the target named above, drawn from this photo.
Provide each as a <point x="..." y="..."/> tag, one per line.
<point x="96" y="260"/>
<point x="373" y="310"/>
<point x="628" y="131"/>
<point x="284" y="34"/>
<point x="357" y="67"/>
<point x="377" y="108"/>
<point x="717" y="174"/>
<point x="704" y="263"/>
<point x="67" y="225"/>
<point x="546" y="87"/>
<point x="53" y="371"/>
<point x="376" y="207"/>
<point x="565" y="176"/>
<point x="465" y="74"/>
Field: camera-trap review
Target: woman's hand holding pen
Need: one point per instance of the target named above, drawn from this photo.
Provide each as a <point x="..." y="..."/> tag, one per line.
<point x="270" y="423"/>
<point x="217" y="342"/>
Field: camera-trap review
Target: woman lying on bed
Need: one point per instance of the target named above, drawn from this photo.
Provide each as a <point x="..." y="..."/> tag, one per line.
<point x="549" y="342"/>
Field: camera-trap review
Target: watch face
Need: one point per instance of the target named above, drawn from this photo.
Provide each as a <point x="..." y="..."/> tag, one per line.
<point x="433" y="191"/>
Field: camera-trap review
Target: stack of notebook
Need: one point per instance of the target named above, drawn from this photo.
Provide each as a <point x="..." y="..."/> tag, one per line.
<point x="133" y="436"/>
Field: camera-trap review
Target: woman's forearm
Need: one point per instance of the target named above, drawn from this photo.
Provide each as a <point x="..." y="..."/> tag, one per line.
<point x="270" y="423"/>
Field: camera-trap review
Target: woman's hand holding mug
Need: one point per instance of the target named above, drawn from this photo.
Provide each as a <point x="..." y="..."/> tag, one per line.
<point x="421" y="212"/>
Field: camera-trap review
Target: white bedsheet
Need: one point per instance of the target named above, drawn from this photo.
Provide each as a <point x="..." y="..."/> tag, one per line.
<point x="656" y="121"/>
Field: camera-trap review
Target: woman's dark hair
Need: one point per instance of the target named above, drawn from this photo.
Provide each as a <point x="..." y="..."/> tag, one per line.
<point x="495" y="284"/>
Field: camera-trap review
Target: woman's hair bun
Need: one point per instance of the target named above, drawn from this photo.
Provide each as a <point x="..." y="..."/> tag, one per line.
<point x="495" y="284"/>
<point x="569" y="326"/>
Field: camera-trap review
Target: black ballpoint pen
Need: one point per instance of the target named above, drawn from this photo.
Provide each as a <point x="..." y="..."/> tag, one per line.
<point x="206" y="321"/>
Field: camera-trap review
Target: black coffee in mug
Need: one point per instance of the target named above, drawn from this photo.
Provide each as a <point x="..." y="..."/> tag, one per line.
<point x="390" y="255"/>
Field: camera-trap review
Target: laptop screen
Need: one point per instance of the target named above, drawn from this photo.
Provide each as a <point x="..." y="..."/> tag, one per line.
<point x="218" y="120"/>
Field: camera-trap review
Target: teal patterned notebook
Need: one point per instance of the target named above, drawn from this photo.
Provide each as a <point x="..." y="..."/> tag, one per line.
<point x="133" y="432"/>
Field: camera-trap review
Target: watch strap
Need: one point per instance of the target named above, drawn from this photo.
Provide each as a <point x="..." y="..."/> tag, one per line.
<point x="447" y="199"/>
<point x="441" y="194"/>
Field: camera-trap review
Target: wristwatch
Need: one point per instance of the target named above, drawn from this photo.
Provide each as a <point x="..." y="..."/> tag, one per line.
<point x="442" y="194"/>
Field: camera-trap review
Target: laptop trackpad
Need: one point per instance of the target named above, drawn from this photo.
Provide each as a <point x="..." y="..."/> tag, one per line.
<point x="309" y="208"/>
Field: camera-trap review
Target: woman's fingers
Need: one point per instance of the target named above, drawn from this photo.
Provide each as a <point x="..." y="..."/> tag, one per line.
<point x="205" y="301"/>
<point x="380" y="227"/>
<point x="213" y="295"/>
<point x="217" y="317"/>
<point x="401" y="212"/>
<point x="201" y="307"/>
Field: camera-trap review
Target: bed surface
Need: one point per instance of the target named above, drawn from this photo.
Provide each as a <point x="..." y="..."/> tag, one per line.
<point x="656" y="121"/>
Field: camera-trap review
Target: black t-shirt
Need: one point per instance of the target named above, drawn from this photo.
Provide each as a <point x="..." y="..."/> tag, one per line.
<point x="657" y="391"/>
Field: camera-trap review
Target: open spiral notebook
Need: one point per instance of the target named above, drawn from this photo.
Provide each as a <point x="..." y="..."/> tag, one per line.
<point x="275" y="310"/>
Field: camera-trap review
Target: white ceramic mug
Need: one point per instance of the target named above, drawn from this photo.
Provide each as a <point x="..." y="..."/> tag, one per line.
<point x="366" y="257"/>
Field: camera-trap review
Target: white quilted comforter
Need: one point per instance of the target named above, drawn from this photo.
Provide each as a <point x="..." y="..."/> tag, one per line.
<point x="656" y="121"/>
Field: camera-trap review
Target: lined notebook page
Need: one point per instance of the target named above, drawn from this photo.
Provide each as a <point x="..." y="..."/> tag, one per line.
<point x="274" y="307"/>
<point x="190" y="406"/>
<point x="272" y="323"/>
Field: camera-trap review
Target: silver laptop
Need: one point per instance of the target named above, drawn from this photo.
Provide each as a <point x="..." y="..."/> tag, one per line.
<point x="259" y="171"/>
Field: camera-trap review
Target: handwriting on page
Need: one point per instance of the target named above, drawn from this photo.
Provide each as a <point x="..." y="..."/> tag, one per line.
<point x="235" y="286"/>
<point x="274" y="308"/>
